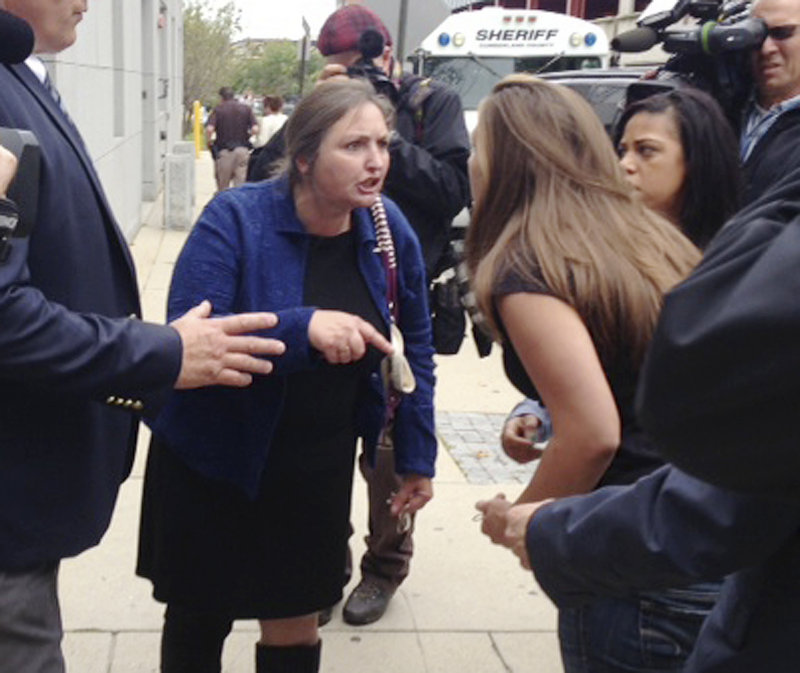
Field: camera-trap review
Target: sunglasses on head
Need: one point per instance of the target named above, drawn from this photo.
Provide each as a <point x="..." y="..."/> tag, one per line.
<point x="780" y="33"/>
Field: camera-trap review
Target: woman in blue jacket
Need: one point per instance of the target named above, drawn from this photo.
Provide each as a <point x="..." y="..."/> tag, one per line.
<point x="247" y="492"/>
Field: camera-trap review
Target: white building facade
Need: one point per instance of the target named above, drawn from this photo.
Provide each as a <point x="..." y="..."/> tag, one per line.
<point x="122" y="83"/>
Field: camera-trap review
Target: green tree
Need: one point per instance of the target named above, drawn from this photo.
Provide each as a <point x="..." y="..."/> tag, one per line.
<point x="209" y="62"/>
<point x="273" y="67"/>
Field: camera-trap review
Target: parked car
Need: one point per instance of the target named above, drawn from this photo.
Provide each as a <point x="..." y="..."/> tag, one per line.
<point x="606" y="90"/>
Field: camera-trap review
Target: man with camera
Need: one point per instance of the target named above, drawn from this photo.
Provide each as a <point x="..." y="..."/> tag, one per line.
<point x="428" y="180"/>
<point x="77" y="364"/>
<point x="770" y="139"/>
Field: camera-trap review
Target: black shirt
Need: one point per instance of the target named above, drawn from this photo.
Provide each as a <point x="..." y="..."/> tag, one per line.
<point x="636" y="455"/>
<point x="318" y="420"/>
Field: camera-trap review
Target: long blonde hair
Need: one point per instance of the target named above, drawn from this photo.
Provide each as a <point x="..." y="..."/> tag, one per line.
<point x="554" y="206"/>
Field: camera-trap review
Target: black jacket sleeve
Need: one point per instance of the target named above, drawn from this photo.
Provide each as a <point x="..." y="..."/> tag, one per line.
<point x="668" y="529"/>
<point x="719" y="391"/>
<point x="44" y="345"/>
<point x="261" y="165"/>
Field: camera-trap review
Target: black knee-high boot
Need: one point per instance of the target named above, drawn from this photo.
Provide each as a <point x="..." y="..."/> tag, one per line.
<point x="192" y="640"/>
<point x="294" y="659"/>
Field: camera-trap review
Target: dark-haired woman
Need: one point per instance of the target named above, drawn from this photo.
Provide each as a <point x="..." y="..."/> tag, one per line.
<point x="681" y="156"/>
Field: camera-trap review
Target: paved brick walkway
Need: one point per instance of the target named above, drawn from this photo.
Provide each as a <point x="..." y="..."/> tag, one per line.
<point x="472" y="439"/>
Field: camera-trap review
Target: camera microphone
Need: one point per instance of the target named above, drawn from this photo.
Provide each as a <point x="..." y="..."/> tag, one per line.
<point x="16" y="44"/>
<point x="638" y="39"/>
<point x="370" y="43"/>
<point x="16" y="39"/>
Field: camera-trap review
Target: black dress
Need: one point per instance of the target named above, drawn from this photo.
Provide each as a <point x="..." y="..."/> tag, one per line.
<point x="206" y="546"/>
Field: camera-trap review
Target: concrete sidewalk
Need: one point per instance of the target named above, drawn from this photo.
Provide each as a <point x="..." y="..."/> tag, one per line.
<point x="467" y="607"/>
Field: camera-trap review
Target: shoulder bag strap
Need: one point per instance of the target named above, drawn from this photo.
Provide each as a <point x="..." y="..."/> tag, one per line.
<point x="386" y="245"/>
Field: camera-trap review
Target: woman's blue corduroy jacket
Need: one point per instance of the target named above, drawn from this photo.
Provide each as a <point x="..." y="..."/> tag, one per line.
<point x="248" y="252"/>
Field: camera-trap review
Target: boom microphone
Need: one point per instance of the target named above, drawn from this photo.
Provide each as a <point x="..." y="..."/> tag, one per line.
<point x="16" y="38"/>
<point x="370" y="43"/>
<point x="638" y="39"/>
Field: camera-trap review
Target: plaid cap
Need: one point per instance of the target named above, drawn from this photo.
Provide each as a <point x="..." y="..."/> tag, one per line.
<point x="342" y="29"/>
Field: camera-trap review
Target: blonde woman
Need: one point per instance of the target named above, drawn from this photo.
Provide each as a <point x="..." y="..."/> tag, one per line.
<point x="571" y="269"/>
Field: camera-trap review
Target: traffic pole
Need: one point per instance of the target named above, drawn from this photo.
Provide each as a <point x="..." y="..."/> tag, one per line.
<point x="198" y="128"/>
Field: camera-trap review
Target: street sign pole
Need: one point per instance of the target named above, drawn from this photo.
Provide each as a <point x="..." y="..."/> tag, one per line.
<point x="304" y="48"/>
<point x="401" y="31"/>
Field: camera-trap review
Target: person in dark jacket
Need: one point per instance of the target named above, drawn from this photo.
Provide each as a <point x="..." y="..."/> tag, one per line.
<point x="770" y="134"/>
<point x="77" y="364"/>
<point x="668" y="529"/>
<point x="430" y="146"/>
<point x="428" y="180"/>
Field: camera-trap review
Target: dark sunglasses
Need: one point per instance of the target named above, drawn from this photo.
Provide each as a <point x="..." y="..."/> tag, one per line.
<point x="781" y="33"/>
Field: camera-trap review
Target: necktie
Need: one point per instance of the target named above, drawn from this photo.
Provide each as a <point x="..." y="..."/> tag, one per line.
<point x="48" y="84"/>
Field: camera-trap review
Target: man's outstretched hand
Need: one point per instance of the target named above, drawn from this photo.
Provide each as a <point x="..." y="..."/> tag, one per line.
<point x="223" y="351"/>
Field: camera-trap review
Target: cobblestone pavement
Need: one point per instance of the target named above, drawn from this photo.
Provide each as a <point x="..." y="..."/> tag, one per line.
<point x="473" y="440"/>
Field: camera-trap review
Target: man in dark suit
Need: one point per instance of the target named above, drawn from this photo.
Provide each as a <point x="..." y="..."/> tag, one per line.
<point x="77" y="365"/>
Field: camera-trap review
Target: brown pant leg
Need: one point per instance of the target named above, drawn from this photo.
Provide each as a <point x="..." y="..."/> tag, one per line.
<point x="240" y="158"/>
<point x="388" y="554"/>
<point x="224" y="169"/>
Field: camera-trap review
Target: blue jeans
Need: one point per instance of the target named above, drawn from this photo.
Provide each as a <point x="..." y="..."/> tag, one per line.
<point x="654" y="631"/>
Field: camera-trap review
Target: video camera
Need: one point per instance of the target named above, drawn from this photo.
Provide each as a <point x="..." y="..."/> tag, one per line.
<point x="24" y="189"/>
<point x="370" y="44"/>
<point x="16" y="44"/>
<point x="713" y="55"/>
